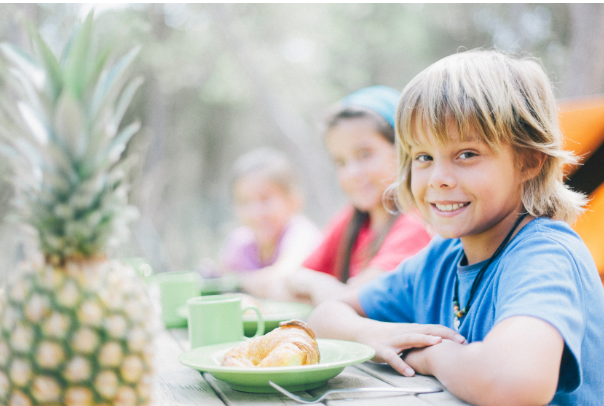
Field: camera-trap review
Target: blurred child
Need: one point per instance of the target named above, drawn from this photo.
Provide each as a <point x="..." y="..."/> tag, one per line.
<point x="364" y="239"/>
<point x="268" y="204"/>
<point x="482" y="160"/>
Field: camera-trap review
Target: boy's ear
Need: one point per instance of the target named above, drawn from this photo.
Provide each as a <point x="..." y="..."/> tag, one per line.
<point x="532" y="164"/>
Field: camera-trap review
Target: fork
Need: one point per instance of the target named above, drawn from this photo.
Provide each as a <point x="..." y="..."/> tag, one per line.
<point x="315" y="399"/>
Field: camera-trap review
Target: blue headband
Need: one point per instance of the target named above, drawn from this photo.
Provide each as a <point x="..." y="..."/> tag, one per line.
<point x="380" y="99"/>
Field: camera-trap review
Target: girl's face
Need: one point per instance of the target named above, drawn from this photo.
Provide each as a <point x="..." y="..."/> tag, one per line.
<point x="465" y="189"/>
<point x="365" y="161"/>
<point x="263" y="206"/>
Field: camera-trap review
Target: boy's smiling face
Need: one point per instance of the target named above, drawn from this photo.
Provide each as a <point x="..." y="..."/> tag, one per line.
<point x="465" y="189"/>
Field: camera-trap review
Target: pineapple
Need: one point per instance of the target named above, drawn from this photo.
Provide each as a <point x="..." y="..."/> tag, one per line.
<point x="75" y="326"/>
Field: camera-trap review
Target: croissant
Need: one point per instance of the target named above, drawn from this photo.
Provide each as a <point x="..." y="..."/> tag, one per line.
<point x="293" y="343"/>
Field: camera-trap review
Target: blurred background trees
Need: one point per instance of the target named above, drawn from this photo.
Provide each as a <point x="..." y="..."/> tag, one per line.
<point x="221" y="79"/>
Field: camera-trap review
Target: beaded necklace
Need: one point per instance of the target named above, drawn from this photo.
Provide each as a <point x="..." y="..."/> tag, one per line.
<point x="460" y="313"/>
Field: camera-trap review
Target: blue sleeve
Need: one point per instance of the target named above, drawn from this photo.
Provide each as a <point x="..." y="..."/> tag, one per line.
<point x="543" y="281"/>
<point x="414" y="292"/>
<point x="390" y="297"/>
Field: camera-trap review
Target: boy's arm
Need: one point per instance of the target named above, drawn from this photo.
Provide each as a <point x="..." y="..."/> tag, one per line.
<point x="518" y="363"/>
<point x="345" y="320"/>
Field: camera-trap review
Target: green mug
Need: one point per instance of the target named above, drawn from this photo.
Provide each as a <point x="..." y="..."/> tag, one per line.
<point x="175" y="289"/>
<point x="218" y="319"/>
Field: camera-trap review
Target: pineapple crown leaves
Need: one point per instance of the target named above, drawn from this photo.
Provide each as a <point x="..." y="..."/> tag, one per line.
<point x="64" y="141"/>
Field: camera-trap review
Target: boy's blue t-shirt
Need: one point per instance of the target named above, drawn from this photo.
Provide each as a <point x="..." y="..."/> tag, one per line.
<point x="546" y="271"/>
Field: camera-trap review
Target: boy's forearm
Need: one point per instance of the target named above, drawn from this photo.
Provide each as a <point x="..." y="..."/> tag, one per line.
<point x="503" y="369"/>
<point x="458" y="367"/>
<point x="469" y="375"/>
<point x="334" y="319"/>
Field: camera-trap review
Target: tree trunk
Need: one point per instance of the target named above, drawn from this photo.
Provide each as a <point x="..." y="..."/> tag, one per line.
<point x="585" y="73"/>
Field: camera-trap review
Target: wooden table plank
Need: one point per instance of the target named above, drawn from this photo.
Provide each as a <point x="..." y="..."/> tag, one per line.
<point x="387" y="374"/>
<point x="442" y="399"/>
<point x="175" y="384"/>
<point x="181" y="336"/>
<point x="235" y="398"/>
<point x="353" y="377"/>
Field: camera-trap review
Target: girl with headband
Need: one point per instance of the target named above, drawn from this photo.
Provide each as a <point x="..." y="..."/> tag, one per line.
<point x="365" y="238"/>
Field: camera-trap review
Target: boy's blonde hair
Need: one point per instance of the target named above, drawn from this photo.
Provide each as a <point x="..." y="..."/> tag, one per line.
<point x="500" y="100"/>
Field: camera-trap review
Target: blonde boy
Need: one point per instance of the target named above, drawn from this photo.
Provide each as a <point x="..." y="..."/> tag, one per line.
<point x="505" y="305"/>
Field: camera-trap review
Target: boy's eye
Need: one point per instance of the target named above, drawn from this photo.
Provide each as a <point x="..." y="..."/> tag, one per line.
<point x="467" y="154"/>
<point x="423" y="158"/>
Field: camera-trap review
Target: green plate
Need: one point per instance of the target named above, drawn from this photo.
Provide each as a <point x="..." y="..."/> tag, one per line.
<point x="335" y="355"/>
<point x="273" y="312"/>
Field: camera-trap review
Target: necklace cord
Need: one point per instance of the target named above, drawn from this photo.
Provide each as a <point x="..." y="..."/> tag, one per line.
<point x="461" y="313"/>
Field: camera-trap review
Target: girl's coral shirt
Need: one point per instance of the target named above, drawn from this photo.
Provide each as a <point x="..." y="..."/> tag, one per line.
<point x="407" y="237"/>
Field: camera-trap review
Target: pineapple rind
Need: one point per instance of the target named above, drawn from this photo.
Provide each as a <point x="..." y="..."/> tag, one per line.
<point x="83" y="330"/>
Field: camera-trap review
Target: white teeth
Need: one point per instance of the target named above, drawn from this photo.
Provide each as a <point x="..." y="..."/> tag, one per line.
<point x="449" y="207"/>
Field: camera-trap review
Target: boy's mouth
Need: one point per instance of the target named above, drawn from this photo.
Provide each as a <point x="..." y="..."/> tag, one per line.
<point x="450" y="207"/>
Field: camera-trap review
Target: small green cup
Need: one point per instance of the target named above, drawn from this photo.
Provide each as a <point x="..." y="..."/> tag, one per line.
<point x="218" y="319"/>
<point x="175" y="289"/>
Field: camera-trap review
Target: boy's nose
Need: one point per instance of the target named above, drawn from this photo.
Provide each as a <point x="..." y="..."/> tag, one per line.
<point x="442" y="176"/>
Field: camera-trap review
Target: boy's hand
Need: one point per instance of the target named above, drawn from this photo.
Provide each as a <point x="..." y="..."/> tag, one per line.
<point x="390" y="339"/>
<point x="418" y="358"/>
<point x="344" y="320"/>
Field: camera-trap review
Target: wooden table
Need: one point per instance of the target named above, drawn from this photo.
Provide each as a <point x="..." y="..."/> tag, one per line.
<point x="176" y="384"/>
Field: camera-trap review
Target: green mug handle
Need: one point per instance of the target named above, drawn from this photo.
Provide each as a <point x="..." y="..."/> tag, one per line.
<point x="259" y="323"/>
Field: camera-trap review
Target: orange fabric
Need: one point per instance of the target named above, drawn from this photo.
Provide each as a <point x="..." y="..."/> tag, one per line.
<point x="590" y="227"/>
<point x="582" y="123"/>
